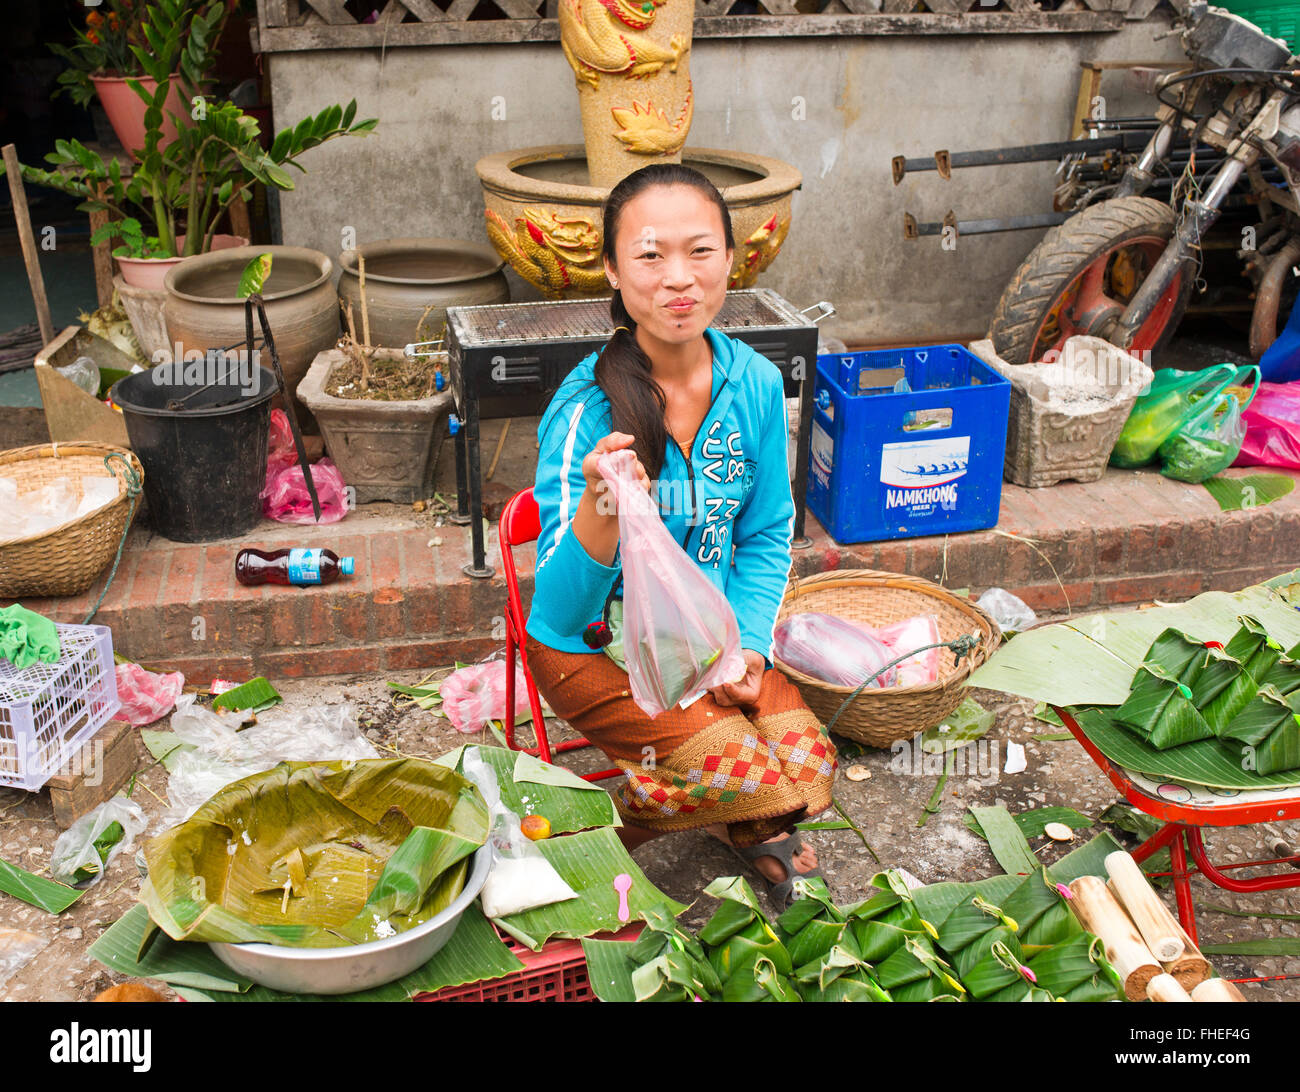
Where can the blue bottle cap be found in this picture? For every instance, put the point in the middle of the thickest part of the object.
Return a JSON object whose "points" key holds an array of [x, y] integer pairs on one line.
{"points": [[438, 381], [453, 424], [346, 565]]}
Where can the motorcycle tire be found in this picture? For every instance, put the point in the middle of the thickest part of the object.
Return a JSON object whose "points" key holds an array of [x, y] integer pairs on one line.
{"points": [[1059, 262]]}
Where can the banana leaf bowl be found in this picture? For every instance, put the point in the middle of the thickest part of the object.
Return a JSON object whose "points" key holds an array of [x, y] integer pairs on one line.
{"points": [[357, 966]]}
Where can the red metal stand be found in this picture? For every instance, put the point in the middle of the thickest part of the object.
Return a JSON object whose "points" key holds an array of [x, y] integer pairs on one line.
{"points": [[1182, 832]]}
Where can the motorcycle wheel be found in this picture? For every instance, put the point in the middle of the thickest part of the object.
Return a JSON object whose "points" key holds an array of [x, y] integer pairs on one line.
{"points": [[1079, 279]]}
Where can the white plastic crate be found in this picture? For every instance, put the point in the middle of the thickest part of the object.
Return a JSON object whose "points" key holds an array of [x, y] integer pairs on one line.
{"points": [[47, 711]]}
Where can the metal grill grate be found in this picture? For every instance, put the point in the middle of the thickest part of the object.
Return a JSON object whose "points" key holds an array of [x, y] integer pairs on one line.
{"points": [[507, 323]]}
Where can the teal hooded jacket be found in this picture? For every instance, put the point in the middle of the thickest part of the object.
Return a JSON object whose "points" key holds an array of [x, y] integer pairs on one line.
{"points": [[729, 505]]}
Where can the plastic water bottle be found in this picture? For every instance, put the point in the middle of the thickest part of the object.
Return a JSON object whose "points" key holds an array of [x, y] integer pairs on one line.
{"points": [[296, 566], [84, 372]]}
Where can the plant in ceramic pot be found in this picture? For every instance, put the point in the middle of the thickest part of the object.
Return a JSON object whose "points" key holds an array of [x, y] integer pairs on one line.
{"points": [[379, 412], [181, 35]]}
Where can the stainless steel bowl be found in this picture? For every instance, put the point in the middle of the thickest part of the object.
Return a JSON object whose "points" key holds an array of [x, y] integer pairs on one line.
{"points": [[358, 966]]}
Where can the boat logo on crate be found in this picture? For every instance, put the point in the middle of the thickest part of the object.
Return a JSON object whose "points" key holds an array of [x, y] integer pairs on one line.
{"points": [[921, 476]]}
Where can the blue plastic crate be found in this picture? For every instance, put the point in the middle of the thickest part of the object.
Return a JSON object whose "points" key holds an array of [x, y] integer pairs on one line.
{"points": [[888, 465]]}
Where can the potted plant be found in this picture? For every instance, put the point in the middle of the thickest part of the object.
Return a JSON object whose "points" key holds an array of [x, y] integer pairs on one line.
{"points": [[379, 412], [179, 35]]}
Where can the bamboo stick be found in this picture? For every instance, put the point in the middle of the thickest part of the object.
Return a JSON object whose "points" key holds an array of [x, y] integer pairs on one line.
{"points": [[1101, 915], [1165, 987], [1191, 967], [1217, 989], [28, 242], [365, 311], [1130, 886]]}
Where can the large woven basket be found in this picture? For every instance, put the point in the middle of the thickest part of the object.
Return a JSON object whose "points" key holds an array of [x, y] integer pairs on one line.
{"points": [[879, 717], [64, 560]]}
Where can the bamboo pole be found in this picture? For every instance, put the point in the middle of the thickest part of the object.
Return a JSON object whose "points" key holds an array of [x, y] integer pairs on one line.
{"points": [[1130, 886], [28, 242], [1101, 915], [1191, 967], [1217, 989], [1165, 987]]}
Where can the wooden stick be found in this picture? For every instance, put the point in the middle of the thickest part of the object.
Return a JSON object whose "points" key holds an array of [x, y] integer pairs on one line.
{"points": [[1217, 989], [365, 311], [1165, 987], [14, 170], [1101, 915], [501, 443], [1154, 921], [102, 257]]}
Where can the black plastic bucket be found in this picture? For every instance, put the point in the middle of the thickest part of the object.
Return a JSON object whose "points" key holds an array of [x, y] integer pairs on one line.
{"points": [[199, 429]]}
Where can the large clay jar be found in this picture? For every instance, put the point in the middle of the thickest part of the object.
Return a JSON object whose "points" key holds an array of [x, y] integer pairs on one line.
{"points": [[410, 283], [203, 310]]}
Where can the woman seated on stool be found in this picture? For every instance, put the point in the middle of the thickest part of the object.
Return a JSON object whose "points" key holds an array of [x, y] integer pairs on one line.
{"points": [[705, 416]]}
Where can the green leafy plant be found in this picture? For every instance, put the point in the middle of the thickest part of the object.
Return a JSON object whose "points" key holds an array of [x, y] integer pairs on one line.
{"points": [[181, 34]]}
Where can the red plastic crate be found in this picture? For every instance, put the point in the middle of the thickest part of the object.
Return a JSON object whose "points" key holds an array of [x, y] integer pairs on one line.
{"points": [[557, 973]]}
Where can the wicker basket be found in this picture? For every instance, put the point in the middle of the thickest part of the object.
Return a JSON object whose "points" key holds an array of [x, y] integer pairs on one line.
{"points": [[64, 560], [879, 717]]}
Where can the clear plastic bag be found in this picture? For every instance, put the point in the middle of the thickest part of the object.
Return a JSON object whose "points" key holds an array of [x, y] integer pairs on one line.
{"points": [[833, 649], [906, 636], [84, 851], [146, 696], [521, 878], [285, 497], [680, 635], [474, 695], [1010, 612]]}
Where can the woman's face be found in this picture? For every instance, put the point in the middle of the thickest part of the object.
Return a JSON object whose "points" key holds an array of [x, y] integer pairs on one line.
{"points": [[671, 262]]}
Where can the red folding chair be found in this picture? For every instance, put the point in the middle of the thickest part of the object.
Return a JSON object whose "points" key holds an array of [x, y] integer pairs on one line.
{"points": [[520, 523]]}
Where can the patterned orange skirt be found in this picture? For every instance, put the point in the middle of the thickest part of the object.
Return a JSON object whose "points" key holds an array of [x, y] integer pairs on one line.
{"points": [[758, 768]]}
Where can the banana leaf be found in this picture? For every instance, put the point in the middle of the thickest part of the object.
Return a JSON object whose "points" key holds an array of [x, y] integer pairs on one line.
{"points": [[1104, 650], [739, 908], [1008, 844], [1056, 924], [1159, 709], [990, 962], [1033, 823], [775, 985], [1253, 647], [1223, 689], [291, 856], [877, 940], [849, 987], [1031, 900], [969, 921], [735, 957], [1176, 652], [1284, 676], [588, 862], [674, 976], [1066, 965], [1202, 763], [1265, 736], [914, 961], [815, 940], [48, 895], [1100, 988]]}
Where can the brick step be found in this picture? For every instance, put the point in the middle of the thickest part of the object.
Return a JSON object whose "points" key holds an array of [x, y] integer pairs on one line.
{"points": [[1130, 538]]}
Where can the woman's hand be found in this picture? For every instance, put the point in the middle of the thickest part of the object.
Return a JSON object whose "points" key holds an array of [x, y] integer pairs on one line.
{"points": [[744, 692], [597, 487]]}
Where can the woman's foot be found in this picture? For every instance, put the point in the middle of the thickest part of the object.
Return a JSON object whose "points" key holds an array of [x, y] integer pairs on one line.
{"points": [[773, 868]]}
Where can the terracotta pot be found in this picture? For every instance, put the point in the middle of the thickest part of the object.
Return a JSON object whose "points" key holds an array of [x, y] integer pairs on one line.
{"points": [[125, 110], [384, 450], [405, 278], [151, 272], [203, 311]]}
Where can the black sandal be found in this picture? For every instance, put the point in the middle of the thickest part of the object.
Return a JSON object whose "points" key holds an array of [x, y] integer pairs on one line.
{"points": [[782, 894]]}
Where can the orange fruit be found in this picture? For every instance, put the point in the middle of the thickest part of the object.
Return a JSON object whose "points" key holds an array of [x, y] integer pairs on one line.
{"points": [[535, 827]]}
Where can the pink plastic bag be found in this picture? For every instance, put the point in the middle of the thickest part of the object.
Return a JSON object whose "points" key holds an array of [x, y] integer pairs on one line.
{"points": [[145, 695], [833, 649], [285, 497], [280, 451], [911, 633], [1272, 427], [680, 635], [476, 694]]}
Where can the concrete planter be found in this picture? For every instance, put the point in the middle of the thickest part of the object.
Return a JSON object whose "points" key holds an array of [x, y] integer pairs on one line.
{"points": [[386, 451], [1065, 416]]}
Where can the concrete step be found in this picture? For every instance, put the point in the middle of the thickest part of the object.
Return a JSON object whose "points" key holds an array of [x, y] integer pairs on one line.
{"points": [[1130, 538]]}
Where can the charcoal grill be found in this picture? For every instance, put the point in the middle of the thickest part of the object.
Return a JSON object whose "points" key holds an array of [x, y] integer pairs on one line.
{"points": [[507, 359]]}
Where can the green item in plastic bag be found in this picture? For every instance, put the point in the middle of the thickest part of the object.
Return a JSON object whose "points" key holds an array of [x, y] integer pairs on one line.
{"points": [[1174, 397], [27, 637], [1211, 439]]}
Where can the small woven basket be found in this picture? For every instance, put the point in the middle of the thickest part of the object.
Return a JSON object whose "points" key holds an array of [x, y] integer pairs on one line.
{"points": [[878, 717], [64, 560]]}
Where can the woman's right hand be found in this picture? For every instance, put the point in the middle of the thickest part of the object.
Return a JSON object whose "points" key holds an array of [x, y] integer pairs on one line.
{"points": [[596, 484]]}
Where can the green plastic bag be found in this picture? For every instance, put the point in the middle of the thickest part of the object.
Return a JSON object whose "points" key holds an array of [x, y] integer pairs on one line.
{"points": [[1211, 439], [1172, 400]]}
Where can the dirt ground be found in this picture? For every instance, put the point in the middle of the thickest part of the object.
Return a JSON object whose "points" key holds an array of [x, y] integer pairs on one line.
{"points": [[886, 807]]}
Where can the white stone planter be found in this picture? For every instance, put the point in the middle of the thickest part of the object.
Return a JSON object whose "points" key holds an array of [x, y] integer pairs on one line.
{"points": [[385, 450]]}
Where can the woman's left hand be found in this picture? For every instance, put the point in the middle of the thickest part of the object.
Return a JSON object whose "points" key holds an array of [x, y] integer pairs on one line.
{"points": [[745, 691]]}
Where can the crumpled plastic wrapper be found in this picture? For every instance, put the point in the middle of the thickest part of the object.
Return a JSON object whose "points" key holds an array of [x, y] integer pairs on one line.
{"points": [[146, 696]]}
